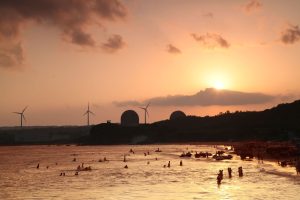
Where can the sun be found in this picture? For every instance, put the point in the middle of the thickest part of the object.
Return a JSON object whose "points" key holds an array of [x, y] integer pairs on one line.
{"points": [[219, 85]]}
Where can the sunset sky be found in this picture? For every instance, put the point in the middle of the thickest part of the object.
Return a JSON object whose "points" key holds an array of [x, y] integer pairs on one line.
{"points": [[58, 55]]}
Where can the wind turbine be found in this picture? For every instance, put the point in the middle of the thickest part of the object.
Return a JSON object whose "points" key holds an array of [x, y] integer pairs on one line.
{"points": [[146, 112], [88, 112], [22, 116]]}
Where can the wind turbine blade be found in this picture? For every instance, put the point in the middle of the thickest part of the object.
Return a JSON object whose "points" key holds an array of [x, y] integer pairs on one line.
{"points": [[85, 113], [24, 109], [17, 113], [147, 113], [92, 113], [142, 108], [23, 116], [148, 105]]}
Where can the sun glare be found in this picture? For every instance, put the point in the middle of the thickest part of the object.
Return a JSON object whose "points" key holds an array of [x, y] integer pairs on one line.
{"points": [[219, 85]]}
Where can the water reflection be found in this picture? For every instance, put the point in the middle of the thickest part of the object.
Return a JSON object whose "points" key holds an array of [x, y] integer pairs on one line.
{"points": [[196, 179]]}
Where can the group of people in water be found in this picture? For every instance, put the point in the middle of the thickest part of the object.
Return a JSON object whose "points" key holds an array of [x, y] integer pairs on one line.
{"points": [[168, 165], [220, 174]]}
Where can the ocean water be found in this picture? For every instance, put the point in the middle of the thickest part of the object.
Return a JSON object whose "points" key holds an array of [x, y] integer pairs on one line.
{"points": [[196, 179]]}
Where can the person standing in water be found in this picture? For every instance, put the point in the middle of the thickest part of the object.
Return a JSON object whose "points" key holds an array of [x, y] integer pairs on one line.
{"points": [[229, 172], [180, 163], [219, 179], [240, 172], [221, 174], [169, 164]]}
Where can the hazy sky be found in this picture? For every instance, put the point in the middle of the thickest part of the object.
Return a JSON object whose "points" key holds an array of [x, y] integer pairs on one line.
{"points": [[56, 56]]}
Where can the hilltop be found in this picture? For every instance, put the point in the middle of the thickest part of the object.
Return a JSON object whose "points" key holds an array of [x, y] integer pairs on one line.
{"points": [[278, 123]]}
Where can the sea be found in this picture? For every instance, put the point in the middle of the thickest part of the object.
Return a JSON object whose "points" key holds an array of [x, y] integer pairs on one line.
{"points": [[145, 178]]}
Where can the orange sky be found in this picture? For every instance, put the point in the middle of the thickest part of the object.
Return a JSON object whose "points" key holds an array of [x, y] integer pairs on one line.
{"points": [[248, 46]]}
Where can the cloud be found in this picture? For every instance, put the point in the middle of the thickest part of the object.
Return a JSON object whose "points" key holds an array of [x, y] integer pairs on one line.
{"points": [[208, 15], [252, 5], [114, 43], [290, 35], [211, 40], [71, 17], [11, 55], [172, 49], [207, 97]]}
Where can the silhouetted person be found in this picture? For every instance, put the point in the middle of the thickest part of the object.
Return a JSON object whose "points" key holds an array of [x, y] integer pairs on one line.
{"points": [[47, 167], [126, 167], [124, 159], [148, 163], [298, 167], [283, 163], [165, 166], [148, 153], [64, 174], [229, 172], [145, 154], [221, 174], [100, 160], [82, 164], [61, 174], [180, 163], [155, 158], [219, 179], [104, 159], [76, 173], [38, 166], [169, 164], [74, 159], [240, 172]]}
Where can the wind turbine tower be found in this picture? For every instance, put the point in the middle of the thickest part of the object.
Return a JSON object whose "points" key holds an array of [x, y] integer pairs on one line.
{"points": [[146, 112], [22, 116], [88, 112]]}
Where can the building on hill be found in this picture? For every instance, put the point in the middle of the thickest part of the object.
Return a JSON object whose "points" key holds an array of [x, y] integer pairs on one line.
{"points": [[177, 114], [129, 118]]}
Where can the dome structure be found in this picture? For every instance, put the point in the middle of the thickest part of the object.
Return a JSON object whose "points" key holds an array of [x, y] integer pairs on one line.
{"points": [[177, 114], [129, 118]]}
